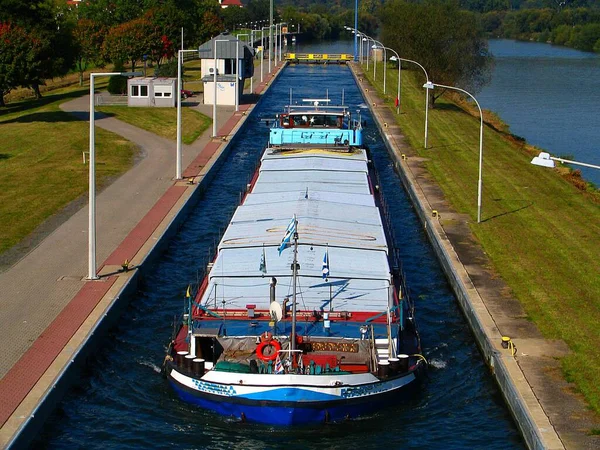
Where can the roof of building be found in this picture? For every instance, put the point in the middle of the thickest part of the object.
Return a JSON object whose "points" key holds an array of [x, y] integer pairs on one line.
{"points": [[231, 3], [226, 48]]}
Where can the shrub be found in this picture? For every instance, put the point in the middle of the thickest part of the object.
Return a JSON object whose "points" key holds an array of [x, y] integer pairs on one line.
{"points": [[117, 85]]}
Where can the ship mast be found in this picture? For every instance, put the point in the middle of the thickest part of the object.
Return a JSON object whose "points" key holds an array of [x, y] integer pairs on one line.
{"points": [[294, 275]]}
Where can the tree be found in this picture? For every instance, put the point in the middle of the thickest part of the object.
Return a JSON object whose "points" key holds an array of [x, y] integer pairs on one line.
{"points": [[14, 47], [88, 37], [448, 42], [131, 41], [51, 50], [233, 16]]}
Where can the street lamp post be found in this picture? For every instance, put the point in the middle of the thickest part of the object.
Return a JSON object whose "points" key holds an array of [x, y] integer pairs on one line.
{"points": [[544, 159], [178, 168], [92, 268], [430, 85], [384, 61], [270, 32], [237, 62], [281, 40], [398, 97], [262, 52]]}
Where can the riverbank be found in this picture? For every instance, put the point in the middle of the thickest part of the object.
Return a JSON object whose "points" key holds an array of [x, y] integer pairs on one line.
{"points": [[546, 258]]}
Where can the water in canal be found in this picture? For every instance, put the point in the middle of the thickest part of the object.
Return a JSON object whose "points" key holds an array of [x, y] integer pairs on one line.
{"points": [[122, 401]]}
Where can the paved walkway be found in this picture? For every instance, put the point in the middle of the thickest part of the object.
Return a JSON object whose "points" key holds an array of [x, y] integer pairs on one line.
{"points": [[45, 298], [537, 366]]}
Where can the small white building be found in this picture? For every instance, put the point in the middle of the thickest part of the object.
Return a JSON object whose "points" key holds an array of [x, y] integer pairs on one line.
{"points": [[227, 48], [152, 91]]}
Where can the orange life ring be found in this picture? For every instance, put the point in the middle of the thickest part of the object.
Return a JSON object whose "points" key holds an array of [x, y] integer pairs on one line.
{"points": [[261, 348]]}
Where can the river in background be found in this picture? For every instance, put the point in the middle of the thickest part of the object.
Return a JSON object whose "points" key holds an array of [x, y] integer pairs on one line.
{"points": [[547, 94], [550, 96]]}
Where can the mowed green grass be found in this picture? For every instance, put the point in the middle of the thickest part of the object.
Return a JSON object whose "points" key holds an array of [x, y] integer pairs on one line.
{"points": [[41, 166], [541, 233], [162, 121]]}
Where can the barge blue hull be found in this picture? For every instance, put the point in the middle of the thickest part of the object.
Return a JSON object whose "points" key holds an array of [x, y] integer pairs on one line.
{"points": [[284, 414]]}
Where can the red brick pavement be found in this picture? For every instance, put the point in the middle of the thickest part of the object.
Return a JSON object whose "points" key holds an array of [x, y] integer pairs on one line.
{"points": [[143, 230], [21, 378], [201, 160]]}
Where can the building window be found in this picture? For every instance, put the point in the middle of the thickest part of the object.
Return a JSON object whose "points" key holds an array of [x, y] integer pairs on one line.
{"points": [[139, 90], [163, 91]]}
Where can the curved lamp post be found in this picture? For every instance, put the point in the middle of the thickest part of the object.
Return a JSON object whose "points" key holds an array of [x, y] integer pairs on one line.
{"points": [[430, 85], [398, 98], [544, 159], [92, 268], [426, 92], [238, 63], [374, 47], [178, 168], [262, 52]]}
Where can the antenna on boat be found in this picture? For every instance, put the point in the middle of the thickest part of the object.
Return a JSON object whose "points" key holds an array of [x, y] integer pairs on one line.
{"points": [[290, 104], [294, 276]]}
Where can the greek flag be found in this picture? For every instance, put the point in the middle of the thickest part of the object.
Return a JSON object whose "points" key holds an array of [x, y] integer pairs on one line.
{"points": [[326, 263], [263, 262], [289, 232]]}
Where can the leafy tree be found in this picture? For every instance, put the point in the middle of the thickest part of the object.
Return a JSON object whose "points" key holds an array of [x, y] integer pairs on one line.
{"points": [[51, 50], [209, 22], [88, 37], [448, 42], [14, 49], [110, 13], [131, 41], [260, 10], [234, 15]]}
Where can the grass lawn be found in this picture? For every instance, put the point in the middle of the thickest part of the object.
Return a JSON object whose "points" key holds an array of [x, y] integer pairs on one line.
{"points": [[541, 233], [162, 121], [41, 167]]}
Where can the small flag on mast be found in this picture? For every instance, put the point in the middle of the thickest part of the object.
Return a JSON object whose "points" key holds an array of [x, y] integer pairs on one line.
{"points": [[263, 262], [278, 365], [188, 294], [289, 232], [326, 263]]}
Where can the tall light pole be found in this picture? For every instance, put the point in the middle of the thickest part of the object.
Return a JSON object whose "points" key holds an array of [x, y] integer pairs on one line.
{"points": [[281, 40], [178, 165], [92, 268], [398, 98], [214, 109], [270, 32], [384, 61], [355, 27], [262, 52], [430, 85]]}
